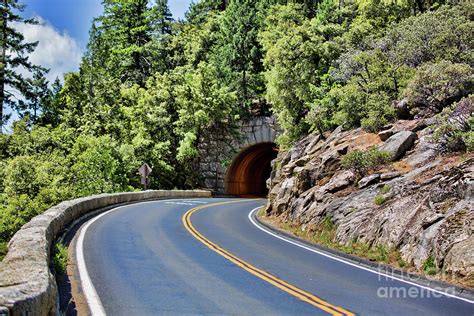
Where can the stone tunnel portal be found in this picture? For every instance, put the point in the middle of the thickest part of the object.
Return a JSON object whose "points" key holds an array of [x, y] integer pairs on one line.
{"points": [[250, 169]]}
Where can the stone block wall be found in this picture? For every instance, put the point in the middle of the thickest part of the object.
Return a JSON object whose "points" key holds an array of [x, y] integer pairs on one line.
{"points": [[27, 286], [218, 152]]}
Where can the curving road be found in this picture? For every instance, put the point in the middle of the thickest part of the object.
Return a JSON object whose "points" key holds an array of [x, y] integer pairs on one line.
{"points": [[205, 256]]}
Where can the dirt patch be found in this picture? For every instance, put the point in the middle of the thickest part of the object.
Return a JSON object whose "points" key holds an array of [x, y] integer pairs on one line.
{"points": [[364, 141], [402, 167]]}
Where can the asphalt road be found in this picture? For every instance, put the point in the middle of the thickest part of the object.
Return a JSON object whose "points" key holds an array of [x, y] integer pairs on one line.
{"points": [[157, 258]]}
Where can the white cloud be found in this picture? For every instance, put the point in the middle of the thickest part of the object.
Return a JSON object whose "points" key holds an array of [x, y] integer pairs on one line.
{"points": [[56, 50]]}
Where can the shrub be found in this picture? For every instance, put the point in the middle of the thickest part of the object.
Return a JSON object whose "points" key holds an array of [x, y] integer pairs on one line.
{"points": [[379, 199], [385, 189], [362, 161], [454, 130], [60, 258], [436, 85], [3, 249], [429, 266]]}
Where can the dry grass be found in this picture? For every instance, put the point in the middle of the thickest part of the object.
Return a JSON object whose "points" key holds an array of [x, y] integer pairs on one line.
{"points": [[402, 166], [324, 234], [364, 141]]}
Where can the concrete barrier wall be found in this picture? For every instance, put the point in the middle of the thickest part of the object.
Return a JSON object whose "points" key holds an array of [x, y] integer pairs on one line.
{"points": [[27, 286]]}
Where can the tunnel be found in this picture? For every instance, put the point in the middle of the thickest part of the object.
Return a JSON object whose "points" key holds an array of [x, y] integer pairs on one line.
{"points": [[249, 171]]}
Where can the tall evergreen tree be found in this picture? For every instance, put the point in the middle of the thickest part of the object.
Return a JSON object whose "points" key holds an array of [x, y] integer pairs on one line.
{"points": [[161, 18], [36, 94], [199, 10], [51, 106], [14, 53], [241, 51], [127, 30]]}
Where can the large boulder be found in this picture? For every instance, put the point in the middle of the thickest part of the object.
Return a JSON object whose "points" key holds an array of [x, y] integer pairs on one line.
{"points": [[339, 181], [460, 258], [368, 180], [398, 144]]}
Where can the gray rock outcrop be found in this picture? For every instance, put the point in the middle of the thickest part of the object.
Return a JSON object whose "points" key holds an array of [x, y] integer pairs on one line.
{"points": [[428, 208], [398, 144]]}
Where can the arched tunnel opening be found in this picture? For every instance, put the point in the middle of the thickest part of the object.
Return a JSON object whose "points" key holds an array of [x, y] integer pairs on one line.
{"points": [[250, 169]]}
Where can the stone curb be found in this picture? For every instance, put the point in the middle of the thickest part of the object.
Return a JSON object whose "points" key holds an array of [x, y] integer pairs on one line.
{"points": [[27, 286], [376, 266]]}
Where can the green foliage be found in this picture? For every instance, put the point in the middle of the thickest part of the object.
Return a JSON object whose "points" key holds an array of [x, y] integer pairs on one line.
{"points": [[60, 258], [379, 199], [203, 105], [96, 166], [362, 161], [3, 249], [239, 56], [429, 266], [401, 263], [150, 89], [15, 65], [454, 129], [439, 84], [382, 253], [385, 189], [298, 53]]}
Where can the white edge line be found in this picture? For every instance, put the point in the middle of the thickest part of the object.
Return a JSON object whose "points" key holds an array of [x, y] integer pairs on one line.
{"points": [[348, 262], [90, 293]]}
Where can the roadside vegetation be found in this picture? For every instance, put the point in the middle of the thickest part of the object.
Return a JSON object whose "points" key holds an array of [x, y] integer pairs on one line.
{"points": [[324, 234], [60, 258], [363, 161], [152, 89]]}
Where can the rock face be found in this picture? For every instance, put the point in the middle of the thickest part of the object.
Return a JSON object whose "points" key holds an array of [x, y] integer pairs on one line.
{"points": [[399, 143], [428, 210], [368, 180]]}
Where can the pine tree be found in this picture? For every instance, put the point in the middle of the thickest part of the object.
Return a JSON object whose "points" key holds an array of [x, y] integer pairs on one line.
{"points": [[126, 28], [199, 10], [241, 51], [36, 94], [51, 105], [14, 53], [161, 18]]}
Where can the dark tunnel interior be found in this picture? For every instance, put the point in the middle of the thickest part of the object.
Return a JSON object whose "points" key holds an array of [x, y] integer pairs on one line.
{"points": [[250, 170]]}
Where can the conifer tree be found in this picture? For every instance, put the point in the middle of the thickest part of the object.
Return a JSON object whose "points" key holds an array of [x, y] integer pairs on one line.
{"points": [[127, 30], [161, 18], [14, 54], [36, 94], [241, 51]]}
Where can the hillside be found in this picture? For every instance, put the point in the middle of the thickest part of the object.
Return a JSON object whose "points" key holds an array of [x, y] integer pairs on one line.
{"points": [[415, 213], [152, 89]]}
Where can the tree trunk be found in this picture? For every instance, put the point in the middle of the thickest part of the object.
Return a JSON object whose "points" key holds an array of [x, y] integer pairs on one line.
{"points": [[3, 48]]}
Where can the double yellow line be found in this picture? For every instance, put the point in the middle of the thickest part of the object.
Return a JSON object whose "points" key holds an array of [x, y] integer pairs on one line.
{"points": [[282, 285]]}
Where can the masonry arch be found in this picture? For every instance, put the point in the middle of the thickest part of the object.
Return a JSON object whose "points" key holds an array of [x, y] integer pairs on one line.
{"points": [[250, 169]]}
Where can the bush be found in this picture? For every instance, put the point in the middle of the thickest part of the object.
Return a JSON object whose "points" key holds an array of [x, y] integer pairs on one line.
{"points": [[96, 166], [385, 189], [379, 199], [3, 249], [362, 161], [429, 266], [60, 258], [436, 85], [454, 130]]}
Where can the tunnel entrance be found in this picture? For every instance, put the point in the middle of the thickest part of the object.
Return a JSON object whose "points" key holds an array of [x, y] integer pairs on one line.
{"points": [[250, 169]]}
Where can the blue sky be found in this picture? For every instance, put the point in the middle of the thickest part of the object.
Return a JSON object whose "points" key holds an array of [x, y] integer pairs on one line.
{"points": [[64, 30], [74, 16]]}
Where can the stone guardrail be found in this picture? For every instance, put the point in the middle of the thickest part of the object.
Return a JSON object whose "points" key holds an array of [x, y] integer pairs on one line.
{"points": [[27, 286]]}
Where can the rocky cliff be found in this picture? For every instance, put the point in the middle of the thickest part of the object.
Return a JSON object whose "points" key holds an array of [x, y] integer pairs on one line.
{"points": [[421, 204]]}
